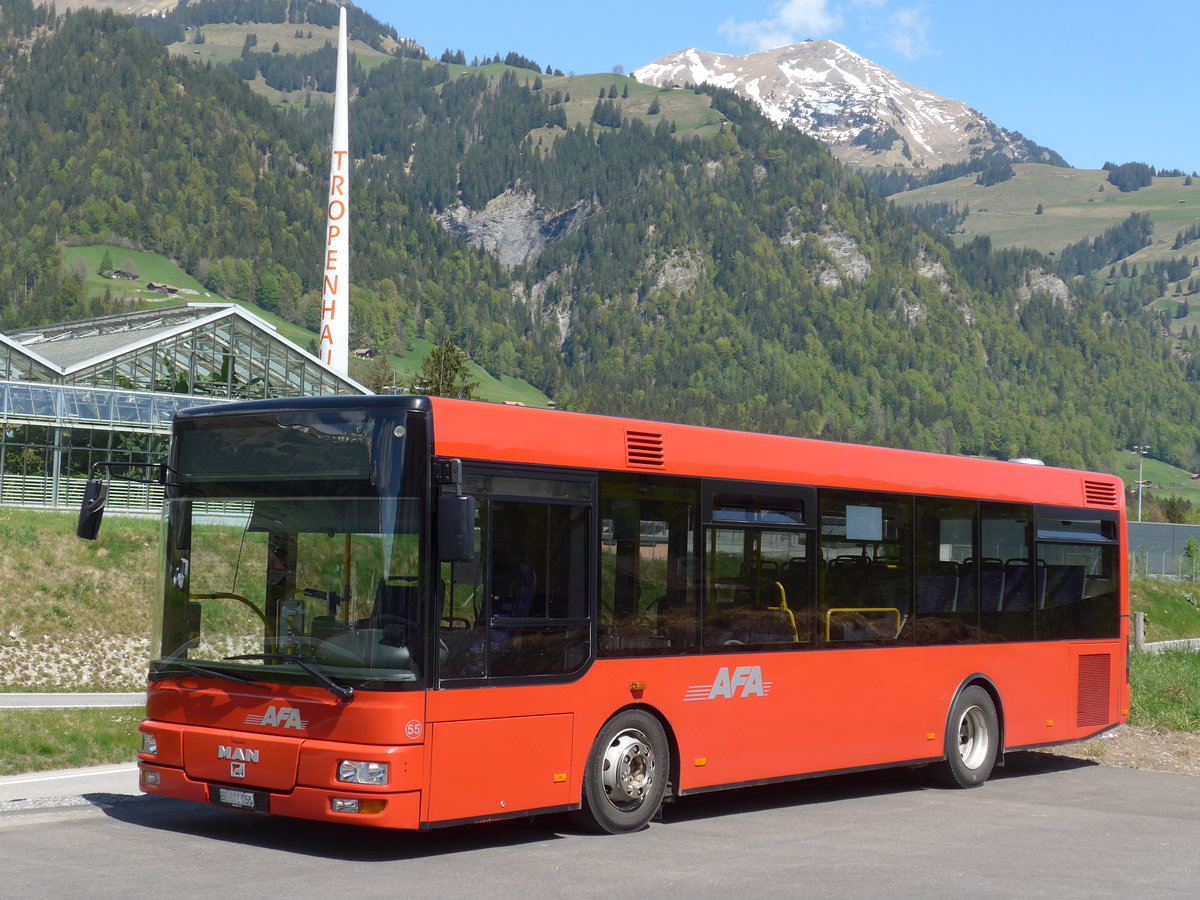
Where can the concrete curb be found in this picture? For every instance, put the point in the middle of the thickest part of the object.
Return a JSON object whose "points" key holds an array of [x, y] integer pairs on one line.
{"points": [[71, 701]]}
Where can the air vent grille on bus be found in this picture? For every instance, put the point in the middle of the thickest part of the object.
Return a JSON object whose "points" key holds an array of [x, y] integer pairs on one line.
{"points": [[644, 450], [1092, 709], [1100, 493]]}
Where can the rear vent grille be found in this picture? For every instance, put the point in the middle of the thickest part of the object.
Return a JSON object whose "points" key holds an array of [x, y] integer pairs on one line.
{"points": [[1094, 680], [644, 450], [1100, 493]]}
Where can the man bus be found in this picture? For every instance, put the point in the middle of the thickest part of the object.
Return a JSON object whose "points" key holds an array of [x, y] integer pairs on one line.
{"points": [[412, 612]]}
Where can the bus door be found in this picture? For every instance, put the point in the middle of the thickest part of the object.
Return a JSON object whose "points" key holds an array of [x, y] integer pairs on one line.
{"points": [[517, 614]]}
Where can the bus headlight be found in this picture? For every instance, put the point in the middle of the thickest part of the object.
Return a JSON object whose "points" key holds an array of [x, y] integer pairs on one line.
{"points": [[356, 772]]}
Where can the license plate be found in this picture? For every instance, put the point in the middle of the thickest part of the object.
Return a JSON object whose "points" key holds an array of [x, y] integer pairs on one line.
{"points": [[232, 798], [241, 799]]}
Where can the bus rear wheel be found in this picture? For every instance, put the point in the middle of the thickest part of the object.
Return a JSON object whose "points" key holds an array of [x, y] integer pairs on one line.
{"points": [[626, 775], [972, 739]]}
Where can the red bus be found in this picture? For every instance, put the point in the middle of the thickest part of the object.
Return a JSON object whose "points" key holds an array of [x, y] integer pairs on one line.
{"points": [[412, 612]]}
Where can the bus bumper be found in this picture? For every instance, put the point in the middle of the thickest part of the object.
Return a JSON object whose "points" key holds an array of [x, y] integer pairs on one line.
{"points": [[400, 810]]}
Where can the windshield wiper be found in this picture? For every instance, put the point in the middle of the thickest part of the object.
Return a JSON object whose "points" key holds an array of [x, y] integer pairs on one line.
{"points": [[187, 668], [339, 690]]}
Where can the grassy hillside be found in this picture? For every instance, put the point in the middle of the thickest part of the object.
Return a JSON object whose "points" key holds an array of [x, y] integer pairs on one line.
{"points": [[147, 266], [1165, 479], [74, 615], [1077, 204], [159, 269], [223, 43]]}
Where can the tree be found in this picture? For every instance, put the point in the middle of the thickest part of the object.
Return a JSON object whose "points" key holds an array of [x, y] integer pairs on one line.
{"points": [[1039, 210], [654, 108], [380, 377], [106, 263], [444, 373], [1191, 552]]}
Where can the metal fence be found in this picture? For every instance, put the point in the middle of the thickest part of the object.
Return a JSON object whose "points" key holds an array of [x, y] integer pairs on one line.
{"points": [[1158, 548], [67, 493]]}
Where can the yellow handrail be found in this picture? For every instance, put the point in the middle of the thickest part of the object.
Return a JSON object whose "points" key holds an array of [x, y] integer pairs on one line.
{"points": [[783, 608]]}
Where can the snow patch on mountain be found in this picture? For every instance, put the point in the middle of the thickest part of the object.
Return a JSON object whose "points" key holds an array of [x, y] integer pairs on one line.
{"points": [[862, 111]]}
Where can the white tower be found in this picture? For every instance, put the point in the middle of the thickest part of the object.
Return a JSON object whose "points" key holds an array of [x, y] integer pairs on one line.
{"points": [[335, 291]]}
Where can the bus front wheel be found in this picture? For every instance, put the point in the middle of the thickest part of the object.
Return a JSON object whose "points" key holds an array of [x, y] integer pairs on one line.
{"points": [[626, 775], [972, 739]]}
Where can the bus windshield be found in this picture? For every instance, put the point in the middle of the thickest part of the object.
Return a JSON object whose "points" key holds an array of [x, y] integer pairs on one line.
{"points": [[304, 562]]}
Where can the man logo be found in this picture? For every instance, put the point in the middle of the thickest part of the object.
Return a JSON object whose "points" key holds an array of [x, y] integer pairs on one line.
{"points": [[726, 685], [284, 717]]}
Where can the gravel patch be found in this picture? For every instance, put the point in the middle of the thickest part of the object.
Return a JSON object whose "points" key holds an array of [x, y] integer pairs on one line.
{"points": [[1128, 747]]}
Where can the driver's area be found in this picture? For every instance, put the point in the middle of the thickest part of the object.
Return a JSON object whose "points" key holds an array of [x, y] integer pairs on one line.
{"points": [[284, 583]]}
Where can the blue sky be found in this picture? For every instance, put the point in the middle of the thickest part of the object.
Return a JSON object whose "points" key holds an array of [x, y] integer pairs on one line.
{"points": [[1101, 80]]}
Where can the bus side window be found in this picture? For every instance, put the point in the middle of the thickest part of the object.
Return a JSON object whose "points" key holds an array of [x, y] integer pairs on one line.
{"points": [[946, 572], [866, 568], [1078, 552], [756, 588], [648, 594], [1010, 579], [521, 607]]}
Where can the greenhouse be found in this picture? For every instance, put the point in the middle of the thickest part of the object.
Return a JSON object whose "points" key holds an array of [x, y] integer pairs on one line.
{"points": [[107, 388]]}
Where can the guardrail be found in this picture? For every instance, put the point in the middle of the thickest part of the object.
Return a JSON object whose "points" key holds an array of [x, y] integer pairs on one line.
{"points": [[1140, 644]]}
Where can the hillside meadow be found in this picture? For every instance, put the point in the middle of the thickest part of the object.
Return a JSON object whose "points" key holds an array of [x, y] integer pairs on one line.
{"points": [[1076, 204], [152, 267]]}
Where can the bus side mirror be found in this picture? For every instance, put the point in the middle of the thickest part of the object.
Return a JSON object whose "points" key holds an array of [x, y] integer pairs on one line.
{"points": [[456, 528], [91, 511]]}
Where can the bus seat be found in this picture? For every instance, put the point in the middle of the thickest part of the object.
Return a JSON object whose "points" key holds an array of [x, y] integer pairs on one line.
{"points": [[1023, 586], [1064, 584], [937, 593], [990, 572]]}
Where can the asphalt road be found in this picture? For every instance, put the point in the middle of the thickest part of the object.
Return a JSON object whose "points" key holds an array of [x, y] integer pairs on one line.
{"points": [[1045, 826]]}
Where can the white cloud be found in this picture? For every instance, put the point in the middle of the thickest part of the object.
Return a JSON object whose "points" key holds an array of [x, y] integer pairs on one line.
{"points": [[905, 30], [790, 21], [910, 32]]}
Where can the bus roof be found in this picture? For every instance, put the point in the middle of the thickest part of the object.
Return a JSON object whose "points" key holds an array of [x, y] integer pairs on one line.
{"points": [[489, 431]]}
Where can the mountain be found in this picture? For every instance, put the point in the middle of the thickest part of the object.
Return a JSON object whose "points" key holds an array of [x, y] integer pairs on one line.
{"points": [[861, 111], [728, 272]]}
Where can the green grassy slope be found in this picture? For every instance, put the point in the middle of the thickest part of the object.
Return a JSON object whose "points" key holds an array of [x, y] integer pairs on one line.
{"points": [[1164, 480], [224, 42], [1074, 207], [159, 269]]}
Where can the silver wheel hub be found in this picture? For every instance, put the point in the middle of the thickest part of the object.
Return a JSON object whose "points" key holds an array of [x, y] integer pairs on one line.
{"points": [[628, 768], [973, 737]]}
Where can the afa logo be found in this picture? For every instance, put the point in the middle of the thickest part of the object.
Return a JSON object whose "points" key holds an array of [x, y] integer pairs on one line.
{"points": [[283, 717], [742, 682]]}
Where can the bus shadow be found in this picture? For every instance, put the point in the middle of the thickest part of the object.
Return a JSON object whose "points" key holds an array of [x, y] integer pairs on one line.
{"points": [[327, 840], [854, 785], [357, 844]]}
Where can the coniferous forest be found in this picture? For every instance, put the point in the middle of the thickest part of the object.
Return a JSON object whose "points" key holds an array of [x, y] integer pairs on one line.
{"points": [[704, 279]]}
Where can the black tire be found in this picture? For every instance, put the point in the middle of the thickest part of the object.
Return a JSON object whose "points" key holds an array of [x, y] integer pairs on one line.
{"points": [[972, 739], [626, 774]]}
